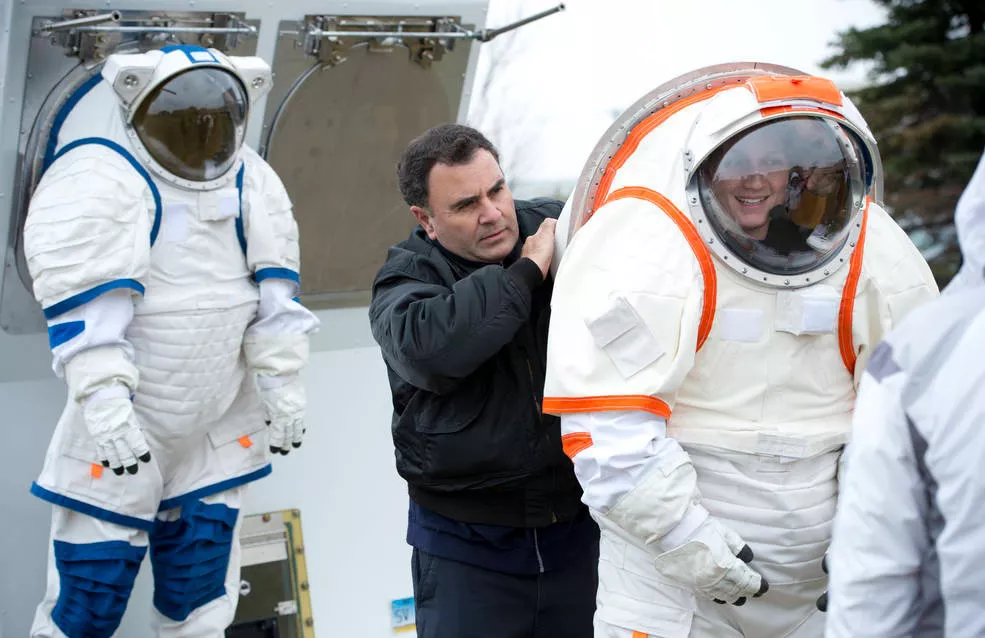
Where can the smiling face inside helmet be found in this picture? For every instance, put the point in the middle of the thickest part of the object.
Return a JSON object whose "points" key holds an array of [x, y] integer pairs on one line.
{"points": [[193, 123], [782, 195]]}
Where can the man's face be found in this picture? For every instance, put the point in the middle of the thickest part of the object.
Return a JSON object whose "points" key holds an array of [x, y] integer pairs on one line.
{"points": [[471, 209], [749, 183]]}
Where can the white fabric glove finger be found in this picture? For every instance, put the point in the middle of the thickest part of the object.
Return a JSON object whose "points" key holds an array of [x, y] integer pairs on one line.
{"points": [[298, 432], [276, 435], [125, 453], [107, 452], [740, 581], [135, 439], [730, 536]]}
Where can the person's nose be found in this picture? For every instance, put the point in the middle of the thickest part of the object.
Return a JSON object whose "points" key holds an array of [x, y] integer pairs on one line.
{"points": [[754, 179], [489, 214]]}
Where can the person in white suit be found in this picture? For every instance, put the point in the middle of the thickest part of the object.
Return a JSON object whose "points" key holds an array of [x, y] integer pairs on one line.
{"points": [[907, 538], [164, 254], [712, 313]]}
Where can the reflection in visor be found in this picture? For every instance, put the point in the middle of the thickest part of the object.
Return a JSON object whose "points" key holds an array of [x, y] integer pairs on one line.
{"points": [[780, 194], [192, 125]]}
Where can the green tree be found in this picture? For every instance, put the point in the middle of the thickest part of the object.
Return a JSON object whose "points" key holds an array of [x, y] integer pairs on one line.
{"points": [[926, 108]]}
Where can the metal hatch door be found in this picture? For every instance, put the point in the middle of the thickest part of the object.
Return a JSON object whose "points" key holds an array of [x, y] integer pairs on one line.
{"points": [[337, 134]]}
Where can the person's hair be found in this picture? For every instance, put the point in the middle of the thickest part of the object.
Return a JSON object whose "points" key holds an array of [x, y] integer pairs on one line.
{"points": [[450, 144]]}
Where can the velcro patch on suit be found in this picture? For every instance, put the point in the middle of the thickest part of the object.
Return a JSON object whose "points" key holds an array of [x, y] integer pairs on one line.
{"points": [[218, 205], [807, 311], [740, 324], [175, 222], [624, 337]]}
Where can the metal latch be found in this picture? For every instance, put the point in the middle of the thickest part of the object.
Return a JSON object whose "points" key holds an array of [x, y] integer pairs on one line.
{"points": [[328, 37], [91, 35]]}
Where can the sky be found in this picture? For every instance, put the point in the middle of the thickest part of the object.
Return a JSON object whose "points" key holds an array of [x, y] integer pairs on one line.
{"points": [[562, 80]]}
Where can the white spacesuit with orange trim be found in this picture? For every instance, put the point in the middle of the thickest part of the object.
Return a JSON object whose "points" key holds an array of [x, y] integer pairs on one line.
{"points": [[705, 344]]}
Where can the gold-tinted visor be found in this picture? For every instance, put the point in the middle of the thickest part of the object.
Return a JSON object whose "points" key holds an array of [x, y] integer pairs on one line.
{"points": [[780, 194], [193, 124]]}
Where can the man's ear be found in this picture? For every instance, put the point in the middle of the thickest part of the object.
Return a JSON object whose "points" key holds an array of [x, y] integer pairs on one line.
{"points": [[425, 220]]}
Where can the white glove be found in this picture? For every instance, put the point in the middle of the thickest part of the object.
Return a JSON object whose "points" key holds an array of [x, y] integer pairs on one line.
{"points": [[100, 380], [712, 561], [284, 401], [111, 422]]}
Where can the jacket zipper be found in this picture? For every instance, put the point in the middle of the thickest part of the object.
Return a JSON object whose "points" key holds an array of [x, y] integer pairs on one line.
{"points": [[533, 385]]}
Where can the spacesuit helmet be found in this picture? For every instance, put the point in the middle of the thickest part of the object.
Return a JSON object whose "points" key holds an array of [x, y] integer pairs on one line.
{"points": [[186, 107], [784, 195], [193, 124]]}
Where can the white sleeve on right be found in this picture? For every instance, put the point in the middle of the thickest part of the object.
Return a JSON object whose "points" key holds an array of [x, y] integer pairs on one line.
{"points": [[102, 321], [879, 535], [619, 456], [624, 445]]}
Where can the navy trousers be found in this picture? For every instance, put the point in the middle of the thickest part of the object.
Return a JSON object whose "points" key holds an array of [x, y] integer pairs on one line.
{"points": [[456, 600]]}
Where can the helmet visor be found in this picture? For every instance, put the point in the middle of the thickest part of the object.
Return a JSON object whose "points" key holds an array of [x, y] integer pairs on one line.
{"points": [[780, 195], [193, 124]]}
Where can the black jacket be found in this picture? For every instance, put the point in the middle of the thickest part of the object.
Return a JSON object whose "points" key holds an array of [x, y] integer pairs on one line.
{"points": [[465, 347]]}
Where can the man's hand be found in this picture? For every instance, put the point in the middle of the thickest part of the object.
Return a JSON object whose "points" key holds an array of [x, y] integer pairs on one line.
{"points": [[113, 426], [539, 247]]}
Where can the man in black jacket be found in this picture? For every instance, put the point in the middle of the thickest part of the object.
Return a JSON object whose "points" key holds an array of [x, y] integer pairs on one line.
{"points": [[503, 547]]}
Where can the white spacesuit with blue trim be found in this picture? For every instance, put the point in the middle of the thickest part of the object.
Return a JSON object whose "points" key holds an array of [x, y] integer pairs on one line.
{"points": [[165, 255]]}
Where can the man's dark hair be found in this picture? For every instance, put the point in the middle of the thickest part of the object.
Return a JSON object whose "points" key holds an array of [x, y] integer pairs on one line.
{"points": [[451, 144]]}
